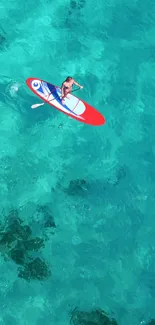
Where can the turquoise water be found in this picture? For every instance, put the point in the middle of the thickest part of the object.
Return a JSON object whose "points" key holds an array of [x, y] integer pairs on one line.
{"points": [[87, 192]]}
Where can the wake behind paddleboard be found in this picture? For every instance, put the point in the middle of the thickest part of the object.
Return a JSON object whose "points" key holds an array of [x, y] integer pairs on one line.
{"points": [[74, 107]]}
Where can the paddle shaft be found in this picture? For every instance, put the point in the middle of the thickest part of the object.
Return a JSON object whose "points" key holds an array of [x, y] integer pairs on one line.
{"points": [[37, 105]]}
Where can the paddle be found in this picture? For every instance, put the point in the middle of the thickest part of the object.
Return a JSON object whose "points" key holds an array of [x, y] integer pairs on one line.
{"points": [[37, 105]]}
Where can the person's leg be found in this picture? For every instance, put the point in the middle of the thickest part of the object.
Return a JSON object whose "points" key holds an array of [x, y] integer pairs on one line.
{"points": [[66, 92]]}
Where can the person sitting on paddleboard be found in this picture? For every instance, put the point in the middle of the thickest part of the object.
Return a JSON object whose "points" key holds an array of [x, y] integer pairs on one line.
{"points": [[66, 87]]}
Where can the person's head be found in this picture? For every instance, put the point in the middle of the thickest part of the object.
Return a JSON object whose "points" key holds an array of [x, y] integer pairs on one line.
{"points": [[68, 79]]}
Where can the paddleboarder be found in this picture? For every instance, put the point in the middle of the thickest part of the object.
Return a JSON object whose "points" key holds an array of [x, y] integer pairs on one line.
{"points": [[66, 87]]}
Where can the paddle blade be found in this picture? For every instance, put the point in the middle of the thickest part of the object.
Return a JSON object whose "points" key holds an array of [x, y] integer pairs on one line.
{"points": [[36, 105]]}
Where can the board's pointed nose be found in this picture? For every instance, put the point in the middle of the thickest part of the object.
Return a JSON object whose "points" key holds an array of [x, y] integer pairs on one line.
{"points": [[100, 120], [92, 116]]}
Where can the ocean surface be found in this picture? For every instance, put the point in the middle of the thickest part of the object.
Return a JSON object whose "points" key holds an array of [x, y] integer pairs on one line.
{"points": [[77, 202]]}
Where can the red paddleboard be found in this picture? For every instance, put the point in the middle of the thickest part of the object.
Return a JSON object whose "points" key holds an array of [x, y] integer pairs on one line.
{"points": [[73, 106]]}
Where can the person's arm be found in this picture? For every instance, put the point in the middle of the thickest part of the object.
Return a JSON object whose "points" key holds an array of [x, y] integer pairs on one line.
{"points": [[62, 90], [76, 83]]}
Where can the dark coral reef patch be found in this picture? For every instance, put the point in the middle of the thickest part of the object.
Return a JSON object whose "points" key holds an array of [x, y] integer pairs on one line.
{"points": [[18, 244]]}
